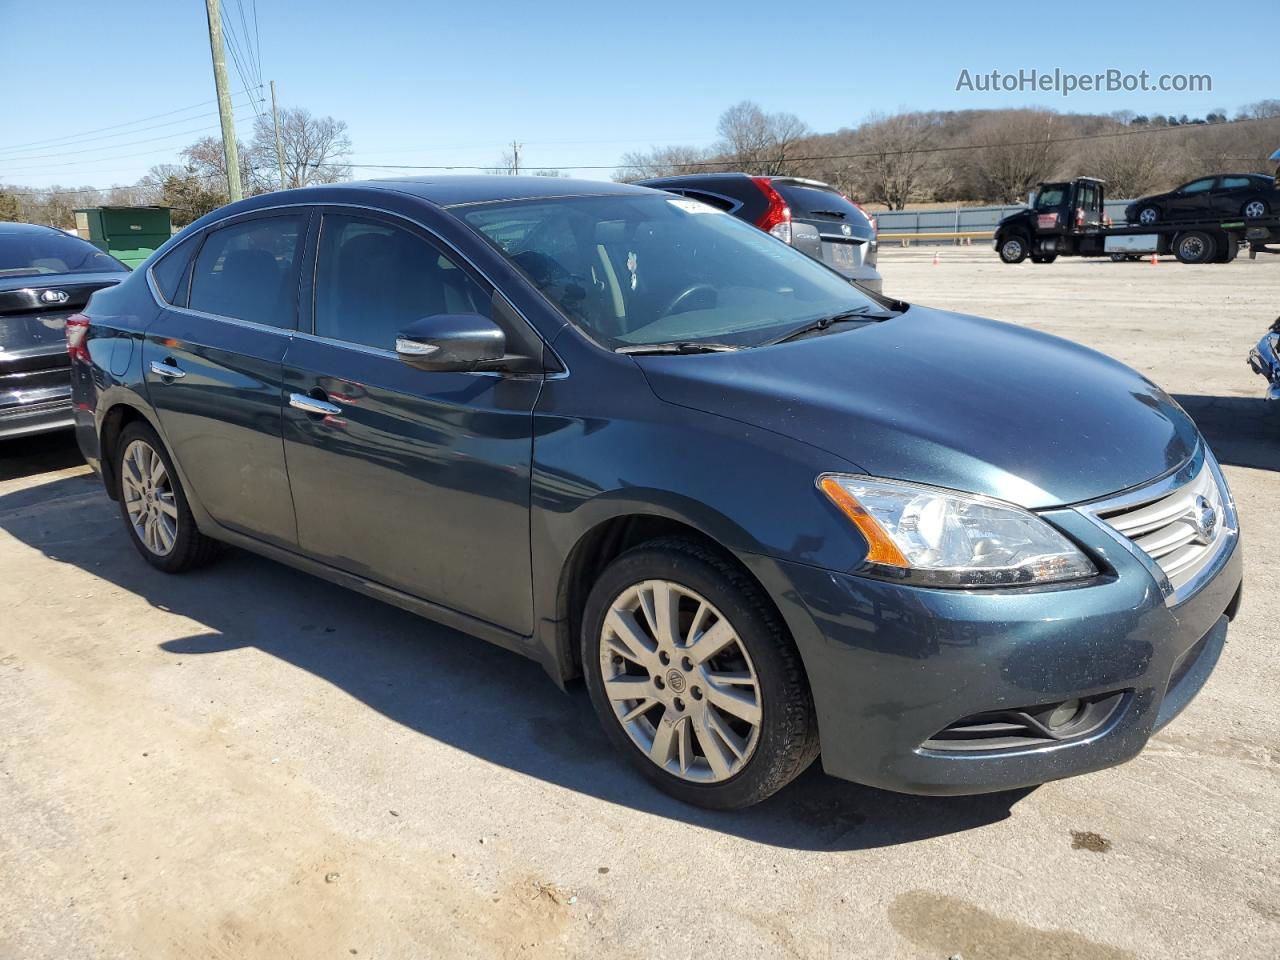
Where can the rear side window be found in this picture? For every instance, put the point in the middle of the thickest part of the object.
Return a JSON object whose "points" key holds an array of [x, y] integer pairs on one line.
{"points": [[244, 271], [171, 273], [1235, 183], [374, 279], [816, 203]]}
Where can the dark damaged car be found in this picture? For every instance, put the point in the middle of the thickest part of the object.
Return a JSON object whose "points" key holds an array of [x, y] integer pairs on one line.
{"points": [[45, 276]]}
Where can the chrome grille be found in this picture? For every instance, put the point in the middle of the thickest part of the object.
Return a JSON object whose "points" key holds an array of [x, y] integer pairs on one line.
{"points": [[1181, 526]]}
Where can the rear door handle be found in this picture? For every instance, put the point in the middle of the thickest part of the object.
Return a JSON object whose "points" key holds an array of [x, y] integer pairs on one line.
{"points": [[300, 401], [167, 369]]}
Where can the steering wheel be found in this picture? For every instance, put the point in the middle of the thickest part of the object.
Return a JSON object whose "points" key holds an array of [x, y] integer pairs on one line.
{"points": [[688, 293]]}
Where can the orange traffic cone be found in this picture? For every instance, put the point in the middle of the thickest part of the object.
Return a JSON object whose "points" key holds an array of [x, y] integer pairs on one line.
{"points": [[1155, 261], [935, 259]]}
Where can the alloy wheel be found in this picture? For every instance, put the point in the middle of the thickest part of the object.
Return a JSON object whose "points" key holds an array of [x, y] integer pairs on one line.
{"points": [[148, 498], [1255, 208], [1149, 215], [680, 681]]}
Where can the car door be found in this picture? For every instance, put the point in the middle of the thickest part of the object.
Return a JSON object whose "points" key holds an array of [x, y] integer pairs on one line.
{"points": [[1192, 201], [1232, 193], [212, 362], [416, 480]]}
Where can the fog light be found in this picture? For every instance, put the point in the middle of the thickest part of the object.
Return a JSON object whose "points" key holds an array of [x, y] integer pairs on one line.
{"points": [[1063, 714]]}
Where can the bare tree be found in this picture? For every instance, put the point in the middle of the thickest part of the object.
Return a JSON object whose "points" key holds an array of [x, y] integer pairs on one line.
{"points": [[757, 142], [550, 173], [508, 164], [316, 149], [1020, 152], [205, 159], [897, 169], [662, 162], [1132, 166]]}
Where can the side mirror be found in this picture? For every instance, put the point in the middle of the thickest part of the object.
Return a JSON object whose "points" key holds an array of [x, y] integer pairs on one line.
{"points": [[451, 341]]}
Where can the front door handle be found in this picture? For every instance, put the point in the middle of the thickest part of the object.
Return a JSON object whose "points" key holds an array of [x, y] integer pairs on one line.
{"points": [[300, 401], [167, 369]]}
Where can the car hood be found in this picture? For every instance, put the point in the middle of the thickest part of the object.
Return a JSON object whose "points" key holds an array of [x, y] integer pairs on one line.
{"points": [[950, 400]]}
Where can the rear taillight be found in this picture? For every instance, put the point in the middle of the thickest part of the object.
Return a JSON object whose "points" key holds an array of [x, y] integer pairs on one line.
{"points": [[77, 331], [776, 219]]}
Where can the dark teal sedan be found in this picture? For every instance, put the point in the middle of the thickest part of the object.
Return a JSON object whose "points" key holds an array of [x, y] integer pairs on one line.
{"points": [[765, 515]]}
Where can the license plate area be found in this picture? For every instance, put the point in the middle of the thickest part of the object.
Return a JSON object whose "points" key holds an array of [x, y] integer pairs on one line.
{"points": [[843, 254]]}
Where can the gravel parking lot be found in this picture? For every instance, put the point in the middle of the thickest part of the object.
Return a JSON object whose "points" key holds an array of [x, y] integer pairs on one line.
{"points": [[248, 762]]}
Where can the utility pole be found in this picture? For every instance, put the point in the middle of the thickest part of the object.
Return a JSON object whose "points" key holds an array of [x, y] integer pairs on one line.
{"points": [[229, 150], [275, 118], [515, 159]]}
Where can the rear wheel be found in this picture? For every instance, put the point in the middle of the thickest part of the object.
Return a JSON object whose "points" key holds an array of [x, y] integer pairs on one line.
{"points": [[1254, 209], [154, 506], [1194, 246], [695, 678], [1013, 249]]}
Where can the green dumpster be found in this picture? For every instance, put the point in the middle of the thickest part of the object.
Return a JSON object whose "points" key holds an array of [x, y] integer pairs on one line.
{"points": [[130, 234]]}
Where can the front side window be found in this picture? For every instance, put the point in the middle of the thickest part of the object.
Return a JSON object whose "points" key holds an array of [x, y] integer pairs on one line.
{"points": [[636, 270], [1050, 198], [1198, 186], [244, 271], [374, 279], [41, 253]]}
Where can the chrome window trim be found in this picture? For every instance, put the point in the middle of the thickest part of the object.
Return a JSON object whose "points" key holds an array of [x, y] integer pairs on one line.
{"points": [[311, 205]]}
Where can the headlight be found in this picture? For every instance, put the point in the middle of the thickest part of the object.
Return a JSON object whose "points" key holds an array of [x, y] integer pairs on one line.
{"points": [[943, 538]]}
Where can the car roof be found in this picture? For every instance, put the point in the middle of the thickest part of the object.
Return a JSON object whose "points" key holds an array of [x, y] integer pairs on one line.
{"points": [[30, 228], [448, 191]]}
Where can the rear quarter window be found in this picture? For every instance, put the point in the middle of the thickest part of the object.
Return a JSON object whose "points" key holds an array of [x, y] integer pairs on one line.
{"points": [[171, 272]]}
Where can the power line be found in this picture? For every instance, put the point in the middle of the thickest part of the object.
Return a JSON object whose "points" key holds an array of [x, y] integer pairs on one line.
{"points": [[112, 146], [50, 141], [118, 156]]}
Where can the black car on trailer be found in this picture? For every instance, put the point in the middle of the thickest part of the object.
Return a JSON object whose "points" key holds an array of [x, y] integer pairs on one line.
{"points": [[1066, 218]]}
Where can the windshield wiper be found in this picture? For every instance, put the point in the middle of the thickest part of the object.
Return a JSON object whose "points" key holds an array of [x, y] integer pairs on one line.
{"points": [[678, 346], [817, 326]]}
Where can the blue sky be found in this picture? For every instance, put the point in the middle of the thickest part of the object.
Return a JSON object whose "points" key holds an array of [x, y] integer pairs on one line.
{"points": [[576, 83]]}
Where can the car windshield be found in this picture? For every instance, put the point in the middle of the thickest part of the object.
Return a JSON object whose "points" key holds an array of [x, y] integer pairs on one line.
{"points": [[39, 253], [639, 270]]}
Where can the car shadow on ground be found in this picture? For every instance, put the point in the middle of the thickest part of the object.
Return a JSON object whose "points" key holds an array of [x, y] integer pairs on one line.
{"points": [[448, 686], [1243, 431], [39, 453]]}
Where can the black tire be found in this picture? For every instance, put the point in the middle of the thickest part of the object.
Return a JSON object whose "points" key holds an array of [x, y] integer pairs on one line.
{"points": [[1119, 257], [1151, 212], [1195, 246], [1047, 258], [191, 548], [788, 733], [1014, 248]]}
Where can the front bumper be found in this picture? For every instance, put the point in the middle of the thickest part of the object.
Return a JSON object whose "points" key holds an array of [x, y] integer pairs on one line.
{"points": [[891, 666], [1264, 362]]}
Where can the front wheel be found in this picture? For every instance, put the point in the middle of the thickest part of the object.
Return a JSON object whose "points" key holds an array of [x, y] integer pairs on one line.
{"points": [[695, 678], [154, 506], [1013, 249]]}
